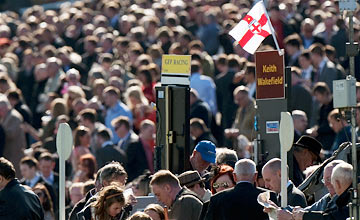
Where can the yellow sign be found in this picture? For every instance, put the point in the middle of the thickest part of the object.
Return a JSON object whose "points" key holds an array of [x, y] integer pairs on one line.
{"points": [[176, 64]]}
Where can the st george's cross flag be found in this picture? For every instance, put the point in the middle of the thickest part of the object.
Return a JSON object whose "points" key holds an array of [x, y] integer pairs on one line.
{"points": [[252, 29]]}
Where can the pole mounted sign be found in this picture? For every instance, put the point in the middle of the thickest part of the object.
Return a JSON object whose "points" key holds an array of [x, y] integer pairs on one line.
{"points": [[64, 143], [175, 70], [270, 78]]}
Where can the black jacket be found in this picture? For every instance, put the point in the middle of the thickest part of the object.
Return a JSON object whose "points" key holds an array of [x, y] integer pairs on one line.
{"points": [[18, 202], [108, 153], [136, 160], [237, 203]]}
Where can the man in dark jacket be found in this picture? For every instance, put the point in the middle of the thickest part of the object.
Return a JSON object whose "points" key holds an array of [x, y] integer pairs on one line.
{"points": [[272, 176], [239, 202], [106, 151], [16, 201]]}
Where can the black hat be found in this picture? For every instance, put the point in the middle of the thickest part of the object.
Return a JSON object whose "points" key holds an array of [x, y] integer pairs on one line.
{"points": [[311, 144]]}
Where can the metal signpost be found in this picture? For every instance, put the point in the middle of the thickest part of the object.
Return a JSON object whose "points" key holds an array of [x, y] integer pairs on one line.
{"points": [[64, 143], [352, 49], [286, 136], [272, 92], [172, 149]]}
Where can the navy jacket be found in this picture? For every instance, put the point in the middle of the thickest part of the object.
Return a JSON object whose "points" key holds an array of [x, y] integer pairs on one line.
{"points": [[18, 202]]}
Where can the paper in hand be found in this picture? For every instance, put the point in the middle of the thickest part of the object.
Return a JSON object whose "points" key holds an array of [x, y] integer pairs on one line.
{"points": [[264, 200]]}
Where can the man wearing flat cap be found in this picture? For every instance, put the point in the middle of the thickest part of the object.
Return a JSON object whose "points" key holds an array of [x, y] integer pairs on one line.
{"points": [[193, 181], [306, 153]]}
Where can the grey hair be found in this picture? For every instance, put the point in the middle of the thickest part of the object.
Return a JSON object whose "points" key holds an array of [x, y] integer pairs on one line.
{"points": [[245, 167], [333, 164], [224, 155], [343, 172]]}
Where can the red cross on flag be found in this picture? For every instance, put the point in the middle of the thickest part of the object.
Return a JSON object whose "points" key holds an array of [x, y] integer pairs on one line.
{"points": [[252, 29]]}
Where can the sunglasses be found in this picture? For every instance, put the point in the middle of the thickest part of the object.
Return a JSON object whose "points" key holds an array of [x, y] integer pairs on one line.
{"points": [[218, 185]]}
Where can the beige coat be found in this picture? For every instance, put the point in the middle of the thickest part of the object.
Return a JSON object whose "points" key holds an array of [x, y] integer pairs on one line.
{"points": [[15, 141]]}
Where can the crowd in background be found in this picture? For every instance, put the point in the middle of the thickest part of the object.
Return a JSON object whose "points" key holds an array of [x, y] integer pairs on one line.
{"points": [[95, 65]]}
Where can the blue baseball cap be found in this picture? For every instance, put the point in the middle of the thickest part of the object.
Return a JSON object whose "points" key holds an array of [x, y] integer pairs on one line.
{"points": [[207, 150]]}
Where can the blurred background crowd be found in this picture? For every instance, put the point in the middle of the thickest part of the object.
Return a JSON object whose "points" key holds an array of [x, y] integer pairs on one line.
{"points": [[95, 65]]}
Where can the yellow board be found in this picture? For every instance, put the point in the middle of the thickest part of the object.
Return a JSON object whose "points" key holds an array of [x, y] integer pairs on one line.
{"points": [[176, 64]]}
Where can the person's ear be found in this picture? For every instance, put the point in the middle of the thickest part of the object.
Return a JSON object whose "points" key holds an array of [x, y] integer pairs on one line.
{"points": [[278, 173], [167, 187], [337, 184], [235, 178], [255, 176]]}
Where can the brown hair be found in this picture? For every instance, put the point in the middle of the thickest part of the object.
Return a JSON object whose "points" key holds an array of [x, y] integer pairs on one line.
{"points": [[79, 132], [90, 162], [121, 120], [47, 202], [164, 177], [156, 208], [108, 196]]}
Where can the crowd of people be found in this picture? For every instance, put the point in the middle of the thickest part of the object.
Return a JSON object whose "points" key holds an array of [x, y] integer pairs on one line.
{"points": [[94, 64]]}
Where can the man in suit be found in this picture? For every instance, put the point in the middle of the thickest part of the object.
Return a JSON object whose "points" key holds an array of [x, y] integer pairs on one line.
{"points": [[239, 202], [326, 70], [293, 50], [106, 151], [16, 201], [140, 153], [301, 98], [46, 168], [224, 90], [87, 117], [272, 176], [322, 131], [123, 129], [244, 120], [199, 108], [31, 177], [199, 132], [300, 123]]}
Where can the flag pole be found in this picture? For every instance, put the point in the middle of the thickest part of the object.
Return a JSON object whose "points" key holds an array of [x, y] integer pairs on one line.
{"points": [[272, 31]]}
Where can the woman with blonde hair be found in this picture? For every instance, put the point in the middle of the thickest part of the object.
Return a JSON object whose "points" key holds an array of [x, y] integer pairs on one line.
{"points": [[139, 106]]}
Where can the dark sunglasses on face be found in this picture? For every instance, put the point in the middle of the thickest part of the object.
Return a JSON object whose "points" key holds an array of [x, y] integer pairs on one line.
{"points": [[218, 185]]}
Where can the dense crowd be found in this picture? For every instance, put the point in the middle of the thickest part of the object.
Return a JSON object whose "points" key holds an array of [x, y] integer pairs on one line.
{"points": [[95, 65]]}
